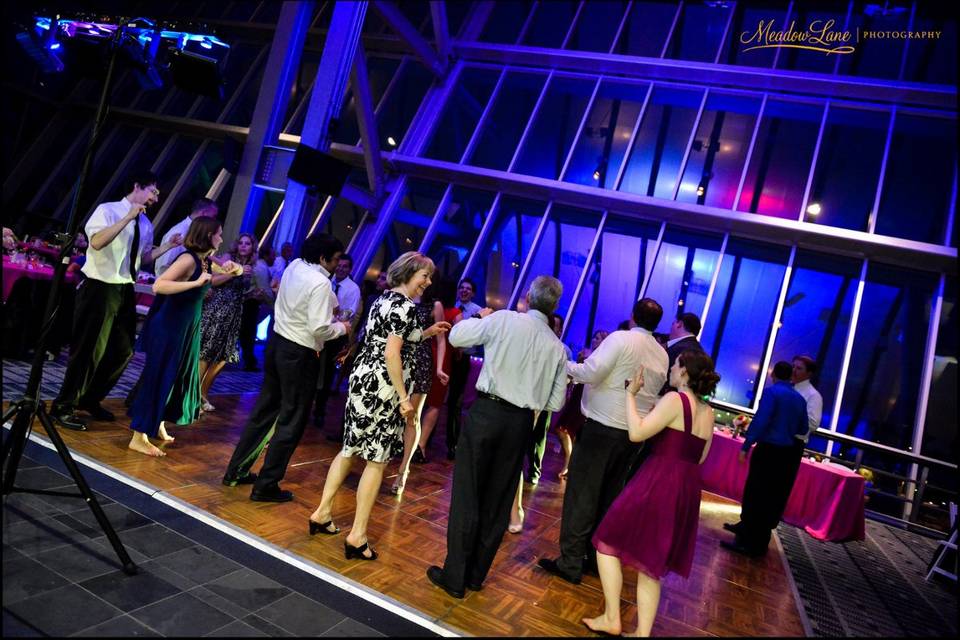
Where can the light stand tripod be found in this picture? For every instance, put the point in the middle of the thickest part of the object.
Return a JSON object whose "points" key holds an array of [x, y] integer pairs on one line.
{"points": [[30, 407]]}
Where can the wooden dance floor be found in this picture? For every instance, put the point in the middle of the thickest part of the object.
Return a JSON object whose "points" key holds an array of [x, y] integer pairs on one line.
{"points": [[726, 595]]}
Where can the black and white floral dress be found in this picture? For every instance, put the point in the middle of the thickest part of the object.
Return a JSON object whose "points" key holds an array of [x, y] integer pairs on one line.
{"points": [[373, 425]]}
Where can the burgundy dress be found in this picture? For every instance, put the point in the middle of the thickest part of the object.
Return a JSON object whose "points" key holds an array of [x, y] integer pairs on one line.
{"points": [[652, 525]]}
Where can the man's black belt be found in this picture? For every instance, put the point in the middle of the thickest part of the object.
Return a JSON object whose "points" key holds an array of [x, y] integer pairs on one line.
{"points": [[490, 396]]}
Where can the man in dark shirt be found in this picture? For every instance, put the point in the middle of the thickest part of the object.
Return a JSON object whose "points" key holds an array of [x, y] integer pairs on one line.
{"points": [[781, 416], [683, 336]]}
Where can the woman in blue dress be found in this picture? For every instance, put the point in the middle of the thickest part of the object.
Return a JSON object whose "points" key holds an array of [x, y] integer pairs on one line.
{"points": [[170, 384]]}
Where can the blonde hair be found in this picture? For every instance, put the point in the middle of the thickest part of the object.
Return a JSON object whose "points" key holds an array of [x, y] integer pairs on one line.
{"points": [[406, 266]]}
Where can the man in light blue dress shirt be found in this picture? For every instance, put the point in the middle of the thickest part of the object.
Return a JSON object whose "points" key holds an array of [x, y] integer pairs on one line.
{"points": [[523, 372]]}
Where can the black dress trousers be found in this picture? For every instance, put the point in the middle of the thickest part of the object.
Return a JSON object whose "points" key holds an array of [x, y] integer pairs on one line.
{"points": [[104, 328], [773, 470], [489, 457], [599, 468], [289, 382]]}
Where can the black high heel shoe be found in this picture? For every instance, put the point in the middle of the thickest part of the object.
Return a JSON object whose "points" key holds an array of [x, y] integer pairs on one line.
{"points": [[324, 527], [352, 552]]}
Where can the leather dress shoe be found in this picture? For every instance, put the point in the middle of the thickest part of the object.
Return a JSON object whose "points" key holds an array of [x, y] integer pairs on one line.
{"points": [[69, 420], [737, 547], [435, 574], [232, 481], [550, 566], [277, 495], [732, 527], [475, 586], [97, 412]]}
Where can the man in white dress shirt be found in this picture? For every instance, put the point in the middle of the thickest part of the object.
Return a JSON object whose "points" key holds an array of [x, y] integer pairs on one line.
{"points": [[304, 322], [523, 372], [202, 207], [105, 315], [349, 301], [603, 454], [804, 368]]}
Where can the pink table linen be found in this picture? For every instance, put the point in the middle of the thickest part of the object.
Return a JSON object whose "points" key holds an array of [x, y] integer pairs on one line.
{"points": [[13, 272], [827, 500]]}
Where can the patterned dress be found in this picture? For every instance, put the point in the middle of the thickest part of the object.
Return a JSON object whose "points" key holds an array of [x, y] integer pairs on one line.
{"points": [[220, 321], [373, 425]]}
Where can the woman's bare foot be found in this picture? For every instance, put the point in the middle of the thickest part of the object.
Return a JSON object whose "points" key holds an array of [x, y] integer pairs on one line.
{"points": [[140, 443], [163, 435], [601, 624]]}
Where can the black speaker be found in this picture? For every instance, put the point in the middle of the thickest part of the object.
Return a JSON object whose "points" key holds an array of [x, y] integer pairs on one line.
{"points": [[318, 170], [196, 73]]}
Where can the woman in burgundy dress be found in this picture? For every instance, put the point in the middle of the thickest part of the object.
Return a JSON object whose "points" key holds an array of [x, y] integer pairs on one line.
{"points": [[652, 525]]}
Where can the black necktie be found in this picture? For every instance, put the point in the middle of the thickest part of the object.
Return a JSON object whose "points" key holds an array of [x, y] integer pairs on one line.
{"points": [[135, 248], [336, 287]]}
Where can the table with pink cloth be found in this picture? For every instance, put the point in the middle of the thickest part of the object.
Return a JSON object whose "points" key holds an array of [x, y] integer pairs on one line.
{"points": [[827, 500], [13, 271]]}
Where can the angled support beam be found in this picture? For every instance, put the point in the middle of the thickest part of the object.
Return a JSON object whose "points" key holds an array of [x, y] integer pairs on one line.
{"points": [[402, 27], [325, 102], [438, 13], [368, 123], [283, 62]]}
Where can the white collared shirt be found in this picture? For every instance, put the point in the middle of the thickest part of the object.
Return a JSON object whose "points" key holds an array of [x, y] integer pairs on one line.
{"points": [[163, 262], [523, 362], [111, 264], [303, 312], [814, 407], [617, 359], [348, 295]]}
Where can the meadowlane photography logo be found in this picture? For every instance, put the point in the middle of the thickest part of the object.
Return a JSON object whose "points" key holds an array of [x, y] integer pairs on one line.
{"points": [[822, 36]]}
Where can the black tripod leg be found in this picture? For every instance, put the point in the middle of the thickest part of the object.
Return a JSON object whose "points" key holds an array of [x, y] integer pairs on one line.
{"points": [[128, 567], [16, 441]]}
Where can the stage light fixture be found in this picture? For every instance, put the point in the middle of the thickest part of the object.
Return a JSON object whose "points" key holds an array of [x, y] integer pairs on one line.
{"points": [[814, 209]]}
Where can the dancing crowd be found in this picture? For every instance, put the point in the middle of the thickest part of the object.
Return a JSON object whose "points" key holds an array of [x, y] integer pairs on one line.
{"points": [[633, 414]]}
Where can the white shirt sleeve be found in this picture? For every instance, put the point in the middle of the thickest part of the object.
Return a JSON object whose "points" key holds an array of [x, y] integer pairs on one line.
{"points": [[558, 393], [320, 315], [474, 331], [598, 366], [99, 220], [814, 412]]}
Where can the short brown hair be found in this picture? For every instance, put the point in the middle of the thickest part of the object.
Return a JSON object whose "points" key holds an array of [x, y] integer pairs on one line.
{"points": [[808, 362], [199, 235], [406, 266]]}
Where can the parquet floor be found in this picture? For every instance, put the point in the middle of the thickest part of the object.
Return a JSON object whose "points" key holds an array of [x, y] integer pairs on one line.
{"points": [[726, 595]]}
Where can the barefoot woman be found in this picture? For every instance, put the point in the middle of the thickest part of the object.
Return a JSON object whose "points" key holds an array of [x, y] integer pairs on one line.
{"points": [[170, 389]]}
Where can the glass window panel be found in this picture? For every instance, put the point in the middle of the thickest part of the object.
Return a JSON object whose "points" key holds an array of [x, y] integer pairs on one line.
{"points": [[919, 179], [344, 222], [623, 256], [505, 21], [563, 249], [456, 14], [646, 29], [606, 134], [402, 103], [876, 57], [462, 112], [505, 249], [816, 319], [882, 386], [699, 31], [780, 163], [661, 141], [933, 59], [416, 11], [818, 17], [379, 73], [410, 222], [507, 120], [458, 230], [940, 426], [719, 150], [746, 23], [681, 276], [740, 316], [550, 24], [546, 147], [597, 25], [848, 168]]}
